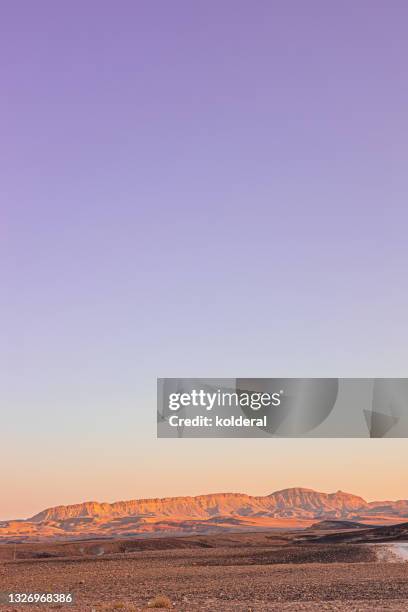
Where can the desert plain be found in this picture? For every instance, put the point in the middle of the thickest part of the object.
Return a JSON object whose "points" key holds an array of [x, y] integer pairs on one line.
{"points": [[293, 550], [331, 566]]}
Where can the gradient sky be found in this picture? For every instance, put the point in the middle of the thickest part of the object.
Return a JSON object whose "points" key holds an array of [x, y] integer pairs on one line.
{"points": [[208, 188]]}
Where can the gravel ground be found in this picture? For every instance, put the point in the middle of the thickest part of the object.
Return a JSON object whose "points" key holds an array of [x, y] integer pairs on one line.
{"points": [[218, 580]]}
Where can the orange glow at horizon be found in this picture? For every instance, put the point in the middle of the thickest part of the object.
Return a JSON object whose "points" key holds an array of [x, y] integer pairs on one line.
{"points": [[166, 468]]}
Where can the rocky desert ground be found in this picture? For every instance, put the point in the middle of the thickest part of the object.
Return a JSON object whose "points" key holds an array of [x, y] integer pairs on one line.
{"points": [[329, 567]]}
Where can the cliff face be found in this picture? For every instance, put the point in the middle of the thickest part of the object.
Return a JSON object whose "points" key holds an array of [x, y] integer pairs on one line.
{"points": [[203, 514], [295, 502], [309, 501], [202, 506]]}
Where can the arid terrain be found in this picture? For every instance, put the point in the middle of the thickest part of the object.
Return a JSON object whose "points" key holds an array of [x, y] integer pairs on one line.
{"points": [[203, 514], [295, 549], [329, 566]]}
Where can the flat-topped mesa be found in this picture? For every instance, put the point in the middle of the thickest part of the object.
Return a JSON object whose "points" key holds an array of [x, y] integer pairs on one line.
{"points": [[201, 506], [295, 501], [83, 509]]}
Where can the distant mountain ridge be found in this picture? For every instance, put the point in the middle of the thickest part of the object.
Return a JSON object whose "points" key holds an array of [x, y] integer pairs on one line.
{"points": [[287, 508], [299, 502], [305, 503]]}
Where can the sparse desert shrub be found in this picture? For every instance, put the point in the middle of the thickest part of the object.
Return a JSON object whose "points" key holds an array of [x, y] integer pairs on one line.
{"points": [[160, 601]]}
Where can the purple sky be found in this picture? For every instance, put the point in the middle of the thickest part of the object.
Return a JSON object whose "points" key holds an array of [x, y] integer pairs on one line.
{"points": [[190, 189]]}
